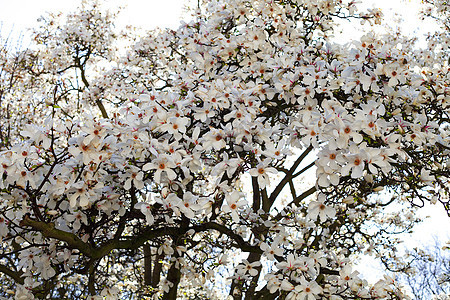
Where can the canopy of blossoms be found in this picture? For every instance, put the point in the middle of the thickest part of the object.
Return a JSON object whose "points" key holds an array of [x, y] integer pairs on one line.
{"points": [[183, 166]]}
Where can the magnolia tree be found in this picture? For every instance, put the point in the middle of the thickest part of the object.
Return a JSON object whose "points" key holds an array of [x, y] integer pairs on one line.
{"points": [[243, 155]]}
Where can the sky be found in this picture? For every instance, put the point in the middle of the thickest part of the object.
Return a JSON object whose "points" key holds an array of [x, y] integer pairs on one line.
{"points": [[22, 14], [397, 13], [142, 13], [18, 15]]}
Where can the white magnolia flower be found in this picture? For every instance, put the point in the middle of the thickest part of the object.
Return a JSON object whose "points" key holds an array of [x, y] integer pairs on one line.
{"points": [[318, 208], [261, 173], [234, 203], [161, 164]]}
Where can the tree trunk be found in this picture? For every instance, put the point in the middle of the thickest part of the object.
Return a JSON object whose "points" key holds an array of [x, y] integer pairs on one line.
{"points": [[147, 265], [174, 276]]}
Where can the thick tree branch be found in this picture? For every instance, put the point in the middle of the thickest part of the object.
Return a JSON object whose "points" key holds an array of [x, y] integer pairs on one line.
{"points": [[174, 277], [297, 200], [147, 265], [256, 194], [16, 276], [137, 241], [289, 175], [48, 230], [241, 243]]}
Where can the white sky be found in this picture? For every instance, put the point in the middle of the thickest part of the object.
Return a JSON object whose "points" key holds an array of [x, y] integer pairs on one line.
{"points": [[22, 14], [148, 13]]}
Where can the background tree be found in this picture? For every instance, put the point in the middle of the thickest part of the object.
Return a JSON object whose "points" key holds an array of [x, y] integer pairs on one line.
{"points": [[11, 72], [428, 270], [177, 167]]}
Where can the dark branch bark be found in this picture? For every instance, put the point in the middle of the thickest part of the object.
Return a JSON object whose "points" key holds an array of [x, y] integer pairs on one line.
{"points": [[289, 175], [241, 243], [48, 230], [86, 83], [91, 280], [297, 200], [256, 194], [173, 276], [147, 265], [157, 267], [16, 276]]}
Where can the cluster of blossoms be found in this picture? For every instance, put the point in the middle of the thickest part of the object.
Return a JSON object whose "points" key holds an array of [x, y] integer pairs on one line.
{"points": [[156, 185]]}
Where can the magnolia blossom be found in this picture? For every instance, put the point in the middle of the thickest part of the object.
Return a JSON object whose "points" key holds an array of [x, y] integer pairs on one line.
{"points": [[161, 164], [347, 275], [44, 267], [234, 203], [319, 209], [326, 175], [248, 267], [110, 293], [272, 250], [82, 193], [146, 209], [136, 178], [261, 173], [273, 283], [305, 291], [76, 219], [189, 205], [355, 164], [175, 125], [215, 138], [347, 129], [291, 263]]}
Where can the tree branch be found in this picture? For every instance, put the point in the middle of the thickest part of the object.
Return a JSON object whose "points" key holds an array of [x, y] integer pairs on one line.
{"points": [[48, 230], [241, 243], [289, 175], [16, 276]]}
